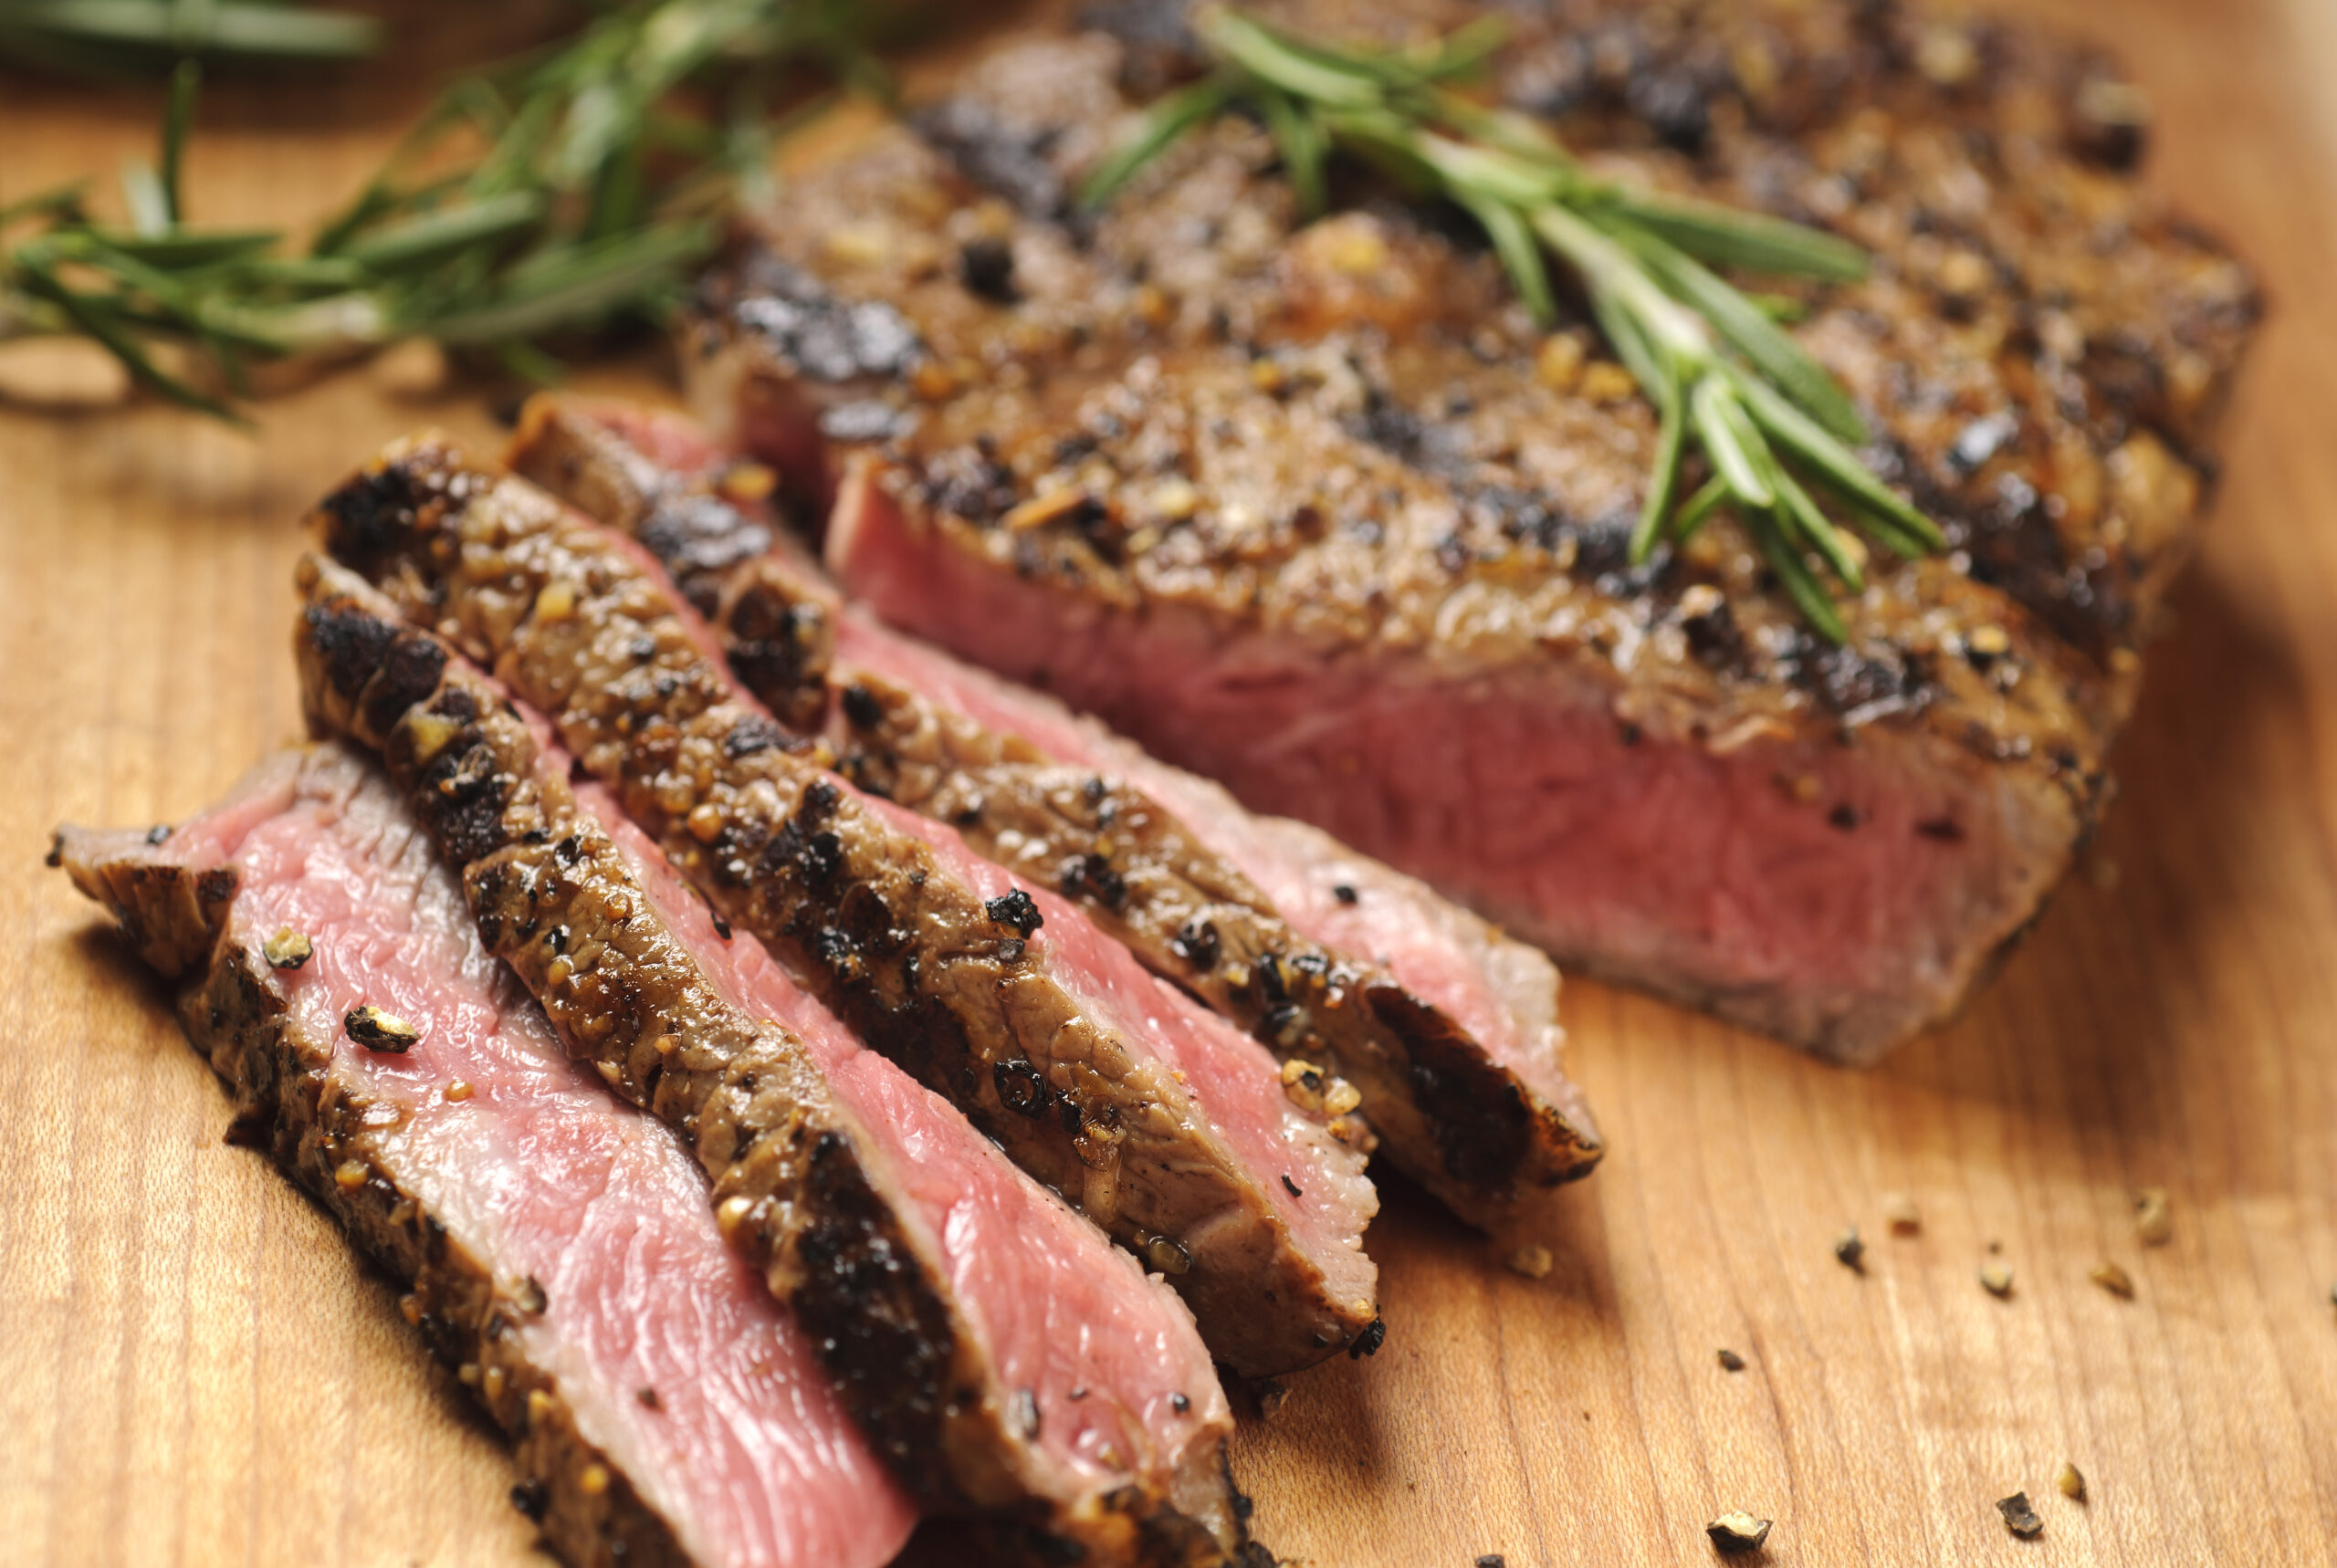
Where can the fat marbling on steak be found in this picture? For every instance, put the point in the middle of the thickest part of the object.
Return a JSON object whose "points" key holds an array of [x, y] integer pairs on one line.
{"points": [[1318, 511], [1158, 1120], [1447, 1030], [553, 1245], [1007, 1361]]}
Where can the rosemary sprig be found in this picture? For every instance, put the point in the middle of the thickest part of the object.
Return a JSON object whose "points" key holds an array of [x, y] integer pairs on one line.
{"points": [[1772, 425], [104, 37], [557, 194]]}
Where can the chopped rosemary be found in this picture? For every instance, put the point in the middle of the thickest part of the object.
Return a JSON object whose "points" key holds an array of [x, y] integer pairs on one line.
{"points": [[1772, 426], [577, 186]]}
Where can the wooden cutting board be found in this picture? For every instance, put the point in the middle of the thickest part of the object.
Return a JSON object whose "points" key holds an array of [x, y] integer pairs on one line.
{"points": [[192, 1369]]}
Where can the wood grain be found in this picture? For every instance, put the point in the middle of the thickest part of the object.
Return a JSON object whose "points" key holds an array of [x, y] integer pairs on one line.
{"points": [[191, 1369]]}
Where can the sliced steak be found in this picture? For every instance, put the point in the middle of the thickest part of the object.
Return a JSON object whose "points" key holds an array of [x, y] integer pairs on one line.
{"points": [[1317, 512], [966, 1312], [1160, 1122], [1266, 919], [556, 1247]]}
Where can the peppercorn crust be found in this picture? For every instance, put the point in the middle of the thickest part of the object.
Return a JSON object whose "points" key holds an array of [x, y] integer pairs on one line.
{"points": [[1445, 1113], [314, 1125], [1195, 437], [865, 915], [793, 1187], [779, 640]]}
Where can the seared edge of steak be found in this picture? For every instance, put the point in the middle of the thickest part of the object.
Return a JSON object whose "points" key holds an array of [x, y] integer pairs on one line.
{"points": [[736, 565], [873, 912], [798, 1185], [315, 1125], [1839, 896], [1447, 1113]]}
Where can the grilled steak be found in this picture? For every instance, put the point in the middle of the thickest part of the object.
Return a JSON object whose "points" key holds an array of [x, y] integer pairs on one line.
{"points": [[555, 1246], [1317, 512], [958, 1305], [1160, 1122], [1464, 1092]]}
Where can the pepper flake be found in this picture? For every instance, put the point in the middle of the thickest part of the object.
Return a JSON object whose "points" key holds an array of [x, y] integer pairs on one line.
{"points": [[2019, 1518], [375, 1029], [1738, 1533]]}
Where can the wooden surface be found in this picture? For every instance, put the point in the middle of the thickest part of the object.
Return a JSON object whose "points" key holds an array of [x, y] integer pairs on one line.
{"points": [[192, 1369]]}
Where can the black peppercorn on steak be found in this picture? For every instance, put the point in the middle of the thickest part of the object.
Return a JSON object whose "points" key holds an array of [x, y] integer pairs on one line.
{"points": [[1005, 1359], [1160, 1121], [1316, 509], [556, 1247], [1445, 1031]]}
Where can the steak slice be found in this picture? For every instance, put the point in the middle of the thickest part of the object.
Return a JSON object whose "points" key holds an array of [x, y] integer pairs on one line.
{"points": [[965, 1312], [556, 1247], [1464, 1090], [1317, 512], [1158, 1119]]}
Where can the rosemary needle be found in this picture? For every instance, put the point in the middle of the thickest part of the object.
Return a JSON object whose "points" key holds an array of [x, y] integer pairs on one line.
{"points": [[107, 37], [1772, 426], [579, 185]]}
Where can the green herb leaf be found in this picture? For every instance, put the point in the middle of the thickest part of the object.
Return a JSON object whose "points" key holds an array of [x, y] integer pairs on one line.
{"points": [[1303, 148], [1664, 483], [96, 34], [1725, 378], [186, 81], [1711, 498], [418, 242], [1162, 124], [1731, 442], [1800, 583], [1730, 237], [1742, 324], [1520, 257], [600, 185]]}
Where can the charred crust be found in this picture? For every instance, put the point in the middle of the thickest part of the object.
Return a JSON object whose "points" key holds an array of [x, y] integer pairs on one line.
{"points": [[862, 707], [370, 519], [881, 1330], [350, 645], [409, 670], [1008, 160], [1157, 890], [1483, 1129], [914, 965], [542, 879], [750, 734], [780, 651]]}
